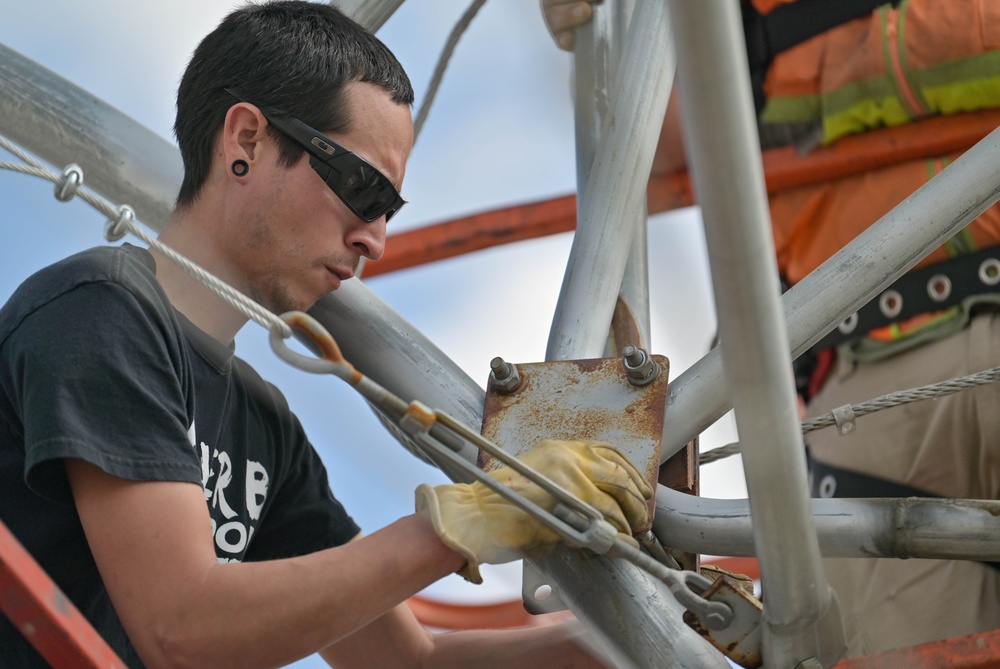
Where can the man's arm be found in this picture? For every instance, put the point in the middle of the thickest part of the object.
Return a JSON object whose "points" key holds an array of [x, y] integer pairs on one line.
{"points": [[397, 641], [152, 542]]}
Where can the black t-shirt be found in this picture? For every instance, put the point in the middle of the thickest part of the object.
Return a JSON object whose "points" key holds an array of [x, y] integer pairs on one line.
{"points": [[95, 364]]}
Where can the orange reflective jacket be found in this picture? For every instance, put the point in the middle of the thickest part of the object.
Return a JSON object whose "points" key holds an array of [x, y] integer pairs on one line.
{"points": [[892, 68]]}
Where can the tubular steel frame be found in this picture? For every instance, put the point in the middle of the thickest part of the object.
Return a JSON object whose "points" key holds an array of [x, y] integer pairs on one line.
{"points": [[637, 618]]}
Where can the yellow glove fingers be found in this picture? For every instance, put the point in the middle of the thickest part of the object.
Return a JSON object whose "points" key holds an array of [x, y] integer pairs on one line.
{"points": [[484, 527], [629, 489], [611, 453], [598, 474]]}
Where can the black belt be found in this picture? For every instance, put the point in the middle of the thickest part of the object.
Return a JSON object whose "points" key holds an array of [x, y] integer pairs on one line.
{"points": [[932, 288]]}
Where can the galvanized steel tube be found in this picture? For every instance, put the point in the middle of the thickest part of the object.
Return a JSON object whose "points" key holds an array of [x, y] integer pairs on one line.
{"points": [[636, 615], [598, 49], [624, 158], [890, 528], [724, 159], [62, 123]]}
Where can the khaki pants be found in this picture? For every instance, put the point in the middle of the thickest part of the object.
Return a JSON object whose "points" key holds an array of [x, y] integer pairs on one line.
{"points": [[948, 446]]}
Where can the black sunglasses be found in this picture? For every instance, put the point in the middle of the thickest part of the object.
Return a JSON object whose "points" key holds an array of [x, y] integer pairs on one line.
{"points": [[366, 191]]}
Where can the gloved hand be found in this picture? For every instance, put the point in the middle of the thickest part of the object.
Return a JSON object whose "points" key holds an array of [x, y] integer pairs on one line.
{"points": [[486, 528], [562, 16]]}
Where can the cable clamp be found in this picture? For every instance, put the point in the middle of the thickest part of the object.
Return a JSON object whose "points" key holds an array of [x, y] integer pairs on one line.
{"points": [[845, 418], [115, 229], [69, 183]]}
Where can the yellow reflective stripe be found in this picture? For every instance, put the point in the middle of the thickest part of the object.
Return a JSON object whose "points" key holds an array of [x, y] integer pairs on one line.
{"points": [[964, 96], [791, 109], [981, 66], [967, 84], [842, 99], [864, 115], [933, 167], [889, 24]]}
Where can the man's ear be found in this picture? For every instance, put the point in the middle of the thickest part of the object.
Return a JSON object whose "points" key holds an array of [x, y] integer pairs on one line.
{"points": [[242, 133]]}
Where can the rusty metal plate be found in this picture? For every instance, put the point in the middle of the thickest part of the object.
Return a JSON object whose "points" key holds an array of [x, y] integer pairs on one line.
{"points": [[580, 399]]}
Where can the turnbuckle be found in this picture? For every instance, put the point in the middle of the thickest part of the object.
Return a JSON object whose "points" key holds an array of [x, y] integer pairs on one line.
{"points": [[442, 437]]}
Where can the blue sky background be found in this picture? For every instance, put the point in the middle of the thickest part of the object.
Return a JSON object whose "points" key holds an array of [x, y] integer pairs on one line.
{"points": [[500, 133]]}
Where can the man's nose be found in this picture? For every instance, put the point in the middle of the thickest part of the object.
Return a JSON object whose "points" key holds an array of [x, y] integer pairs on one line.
{"points": [[369, 238]]}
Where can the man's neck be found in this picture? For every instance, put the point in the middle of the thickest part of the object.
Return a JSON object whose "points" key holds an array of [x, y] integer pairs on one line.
{"points": [[200, 304]]}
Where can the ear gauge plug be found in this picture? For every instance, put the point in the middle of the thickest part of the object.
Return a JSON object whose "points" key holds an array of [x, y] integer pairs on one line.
{"points": [[240, 167]]}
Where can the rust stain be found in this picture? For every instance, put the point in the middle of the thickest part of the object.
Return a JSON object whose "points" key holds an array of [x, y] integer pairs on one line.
{"points": [[624, 326], [580, 399]]}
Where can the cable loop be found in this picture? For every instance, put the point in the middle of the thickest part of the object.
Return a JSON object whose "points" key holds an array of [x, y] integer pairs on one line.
{"points": [[115, 229], [69, 182]]}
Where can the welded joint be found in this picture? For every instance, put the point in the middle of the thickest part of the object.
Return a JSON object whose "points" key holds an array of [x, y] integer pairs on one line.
{"points": [[846, 420], [900, 547]]}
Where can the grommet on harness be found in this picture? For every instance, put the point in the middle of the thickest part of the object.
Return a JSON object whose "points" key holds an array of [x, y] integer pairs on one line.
{"points": [[932, 288]]}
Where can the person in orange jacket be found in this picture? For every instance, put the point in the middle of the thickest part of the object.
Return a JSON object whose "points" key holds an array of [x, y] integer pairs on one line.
{"points": [[833, 76]]}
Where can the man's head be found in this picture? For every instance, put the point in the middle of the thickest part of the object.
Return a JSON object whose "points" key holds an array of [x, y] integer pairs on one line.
{"points": [[294, 56], [272, 81]]}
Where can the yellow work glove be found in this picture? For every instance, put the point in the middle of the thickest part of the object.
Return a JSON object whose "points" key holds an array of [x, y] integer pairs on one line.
{"points": [[486, 528]]}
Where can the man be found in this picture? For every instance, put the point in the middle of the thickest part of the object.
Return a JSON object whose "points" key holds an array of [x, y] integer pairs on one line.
{"points": [[890, 66], [165, 487]]}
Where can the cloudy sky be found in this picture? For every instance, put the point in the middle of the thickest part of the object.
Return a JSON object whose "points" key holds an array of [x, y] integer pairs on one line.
{"points": [[500, 133]]}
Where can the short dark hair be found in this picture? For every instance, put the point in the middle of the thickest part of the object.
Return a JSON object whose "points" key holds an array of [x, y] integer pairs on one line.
{"points": [[293, 55]]}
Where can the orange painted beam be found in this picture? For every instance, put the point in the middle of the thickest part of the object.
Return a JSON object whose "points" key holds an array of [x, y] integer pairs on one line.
{"points": [[37, 607], [978, 651], [473, 233], [784, 169]]}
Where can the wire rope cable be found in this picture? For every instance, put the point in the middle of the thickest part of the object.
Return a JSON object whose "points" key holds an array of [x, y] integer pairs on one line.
{"points": [[122, 220], [887, 401], [446, 53]]}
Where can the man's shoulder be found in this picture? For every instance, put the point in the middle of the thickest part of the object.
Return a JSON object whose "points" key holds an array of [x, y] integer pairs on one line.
{"points": [[127, 266], [122, 264]]}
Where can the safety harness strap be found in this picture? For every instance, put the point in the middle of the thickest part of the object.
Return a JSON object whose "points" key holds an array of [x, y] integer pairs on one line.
{"points": [[932, 288]]}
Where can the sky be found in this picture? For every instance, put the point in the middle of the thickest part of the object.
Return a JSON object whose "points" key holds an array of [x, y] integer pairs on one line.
{"points": [[500, 133]]}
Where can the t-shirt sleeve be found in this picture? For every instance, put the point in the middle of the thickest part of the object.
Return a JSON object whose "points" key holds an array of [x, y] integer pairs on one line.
{"points": [[100, 375]]}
